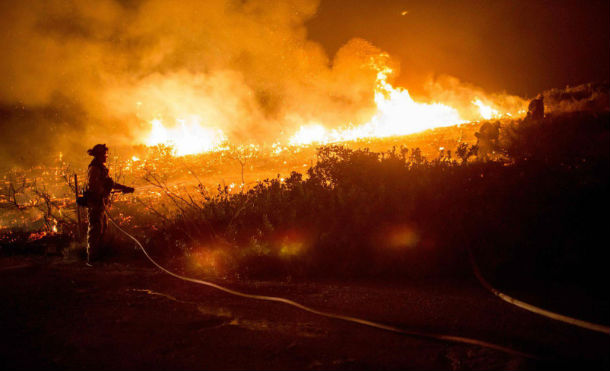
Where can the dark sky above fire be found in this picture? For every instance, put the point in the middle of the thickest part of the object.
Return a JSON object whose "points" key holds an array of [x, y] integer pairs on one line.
{"points": [[523, 47], [74, 73]]}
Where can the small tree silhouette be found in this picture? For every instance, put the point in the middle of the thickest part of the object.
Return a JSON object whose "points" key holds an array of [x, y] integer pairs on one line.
{"points": [[242, 154], [464, 151]]}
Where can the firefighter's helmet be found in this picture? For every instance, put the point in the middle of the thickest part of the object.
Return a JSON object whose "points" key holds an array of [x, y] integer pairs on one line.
{"points": [[98, 149]]}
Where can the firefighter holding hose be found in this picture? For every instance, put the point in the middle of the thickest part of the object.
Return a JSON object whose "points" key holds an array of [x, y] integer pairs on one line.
{"points": [[487, 139], [97, 199]]}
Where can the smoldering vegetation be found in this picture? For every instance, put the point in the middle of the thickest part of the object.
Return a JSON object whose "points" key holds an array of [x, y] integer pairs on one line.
{"points": [[75, 72], [534, 209], [586, 97], [531, 212], [356, 212]]}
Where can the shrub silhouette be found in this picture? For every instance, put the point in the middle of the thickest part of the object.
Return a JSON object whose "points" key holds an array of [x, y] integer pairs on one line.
{"points": [[361, 213]]}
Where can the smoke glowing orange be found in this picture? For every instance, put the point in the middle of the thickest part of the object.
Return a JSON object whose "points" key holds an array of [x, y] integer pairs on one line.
{"points": [[187, 137], [487, 112], [396, 114]]}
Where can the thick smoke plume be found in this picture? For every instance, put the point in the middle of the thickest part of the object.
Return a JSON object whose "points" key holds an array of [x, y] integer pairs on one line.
{"points": [[450, 90], [75, 73], [585, 97], [99, 71]]}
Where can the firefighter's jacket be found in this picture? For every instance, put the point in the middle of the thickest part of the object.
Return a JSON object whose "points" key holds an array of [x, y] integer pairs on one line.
{"points": [[100, 185]]}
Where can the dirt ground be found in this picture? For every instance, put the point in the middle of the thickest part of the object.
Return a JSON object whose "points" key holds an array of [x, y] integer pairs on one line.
{"points": [[58, 314]]}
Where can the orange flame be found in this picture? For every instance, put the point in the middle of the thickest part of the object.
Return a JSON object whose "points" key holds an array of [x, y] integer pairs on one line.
{"points": [[187, 138], [397, 114], [486, 111]]}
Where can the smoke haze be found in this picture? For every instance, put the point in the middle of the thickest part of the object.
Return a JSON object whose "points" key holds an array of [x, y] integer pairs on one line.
{"points": [[76, 73], [100, 70]]}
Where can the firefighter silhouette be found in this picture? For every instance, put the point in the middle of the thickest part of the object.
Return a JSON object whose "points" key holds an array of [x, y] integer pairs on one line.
{"points": [[535, 110], [487, 139], [98, 196]]}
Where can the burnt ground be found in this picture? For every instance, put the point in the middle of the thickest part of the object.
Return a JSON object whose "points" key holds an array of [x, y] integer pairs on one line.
{"points": [[57, 314]]}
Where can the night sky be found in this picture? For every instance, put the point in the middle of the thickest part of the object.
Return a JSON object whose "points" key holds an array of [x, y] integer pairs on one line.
{"points": [[523, 47]]}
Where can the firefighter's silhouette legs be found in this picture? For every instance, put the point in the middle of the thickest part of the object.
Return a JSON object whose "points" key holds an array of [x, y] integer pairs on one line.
{"points": [[98, 224]]}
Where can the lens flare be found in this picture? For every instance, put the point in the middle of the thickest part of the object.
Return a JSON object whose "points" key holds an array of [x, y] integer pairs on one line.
{"points": [[398, 237], [210, 260], [291, 243]]}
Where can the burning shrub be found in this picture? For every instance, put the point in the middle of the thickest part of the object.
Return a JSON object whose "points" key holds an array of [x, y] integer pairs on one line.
{"points": [[357, 212], [362, 213]]}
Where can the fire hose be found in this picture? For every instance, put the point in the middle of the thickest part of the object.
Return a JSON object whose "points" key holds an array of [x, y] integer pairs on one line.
{"points": [[532, 308], [521, 304], [381, 326]]}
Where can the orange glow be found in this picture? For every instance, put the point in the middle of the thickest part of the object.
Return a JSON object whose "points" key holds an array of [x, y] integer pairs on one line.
{"points": [[211, 261], [397, 114], [36, 236], [313, 133], [291, 243], [291, 248], [187, 137], [401, 236], [487, 112]]}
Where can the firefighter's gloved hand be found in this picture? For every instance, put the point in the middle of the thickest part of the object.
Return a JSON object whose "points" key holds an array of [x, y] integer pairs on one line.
{"points": [[128, 190]]}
